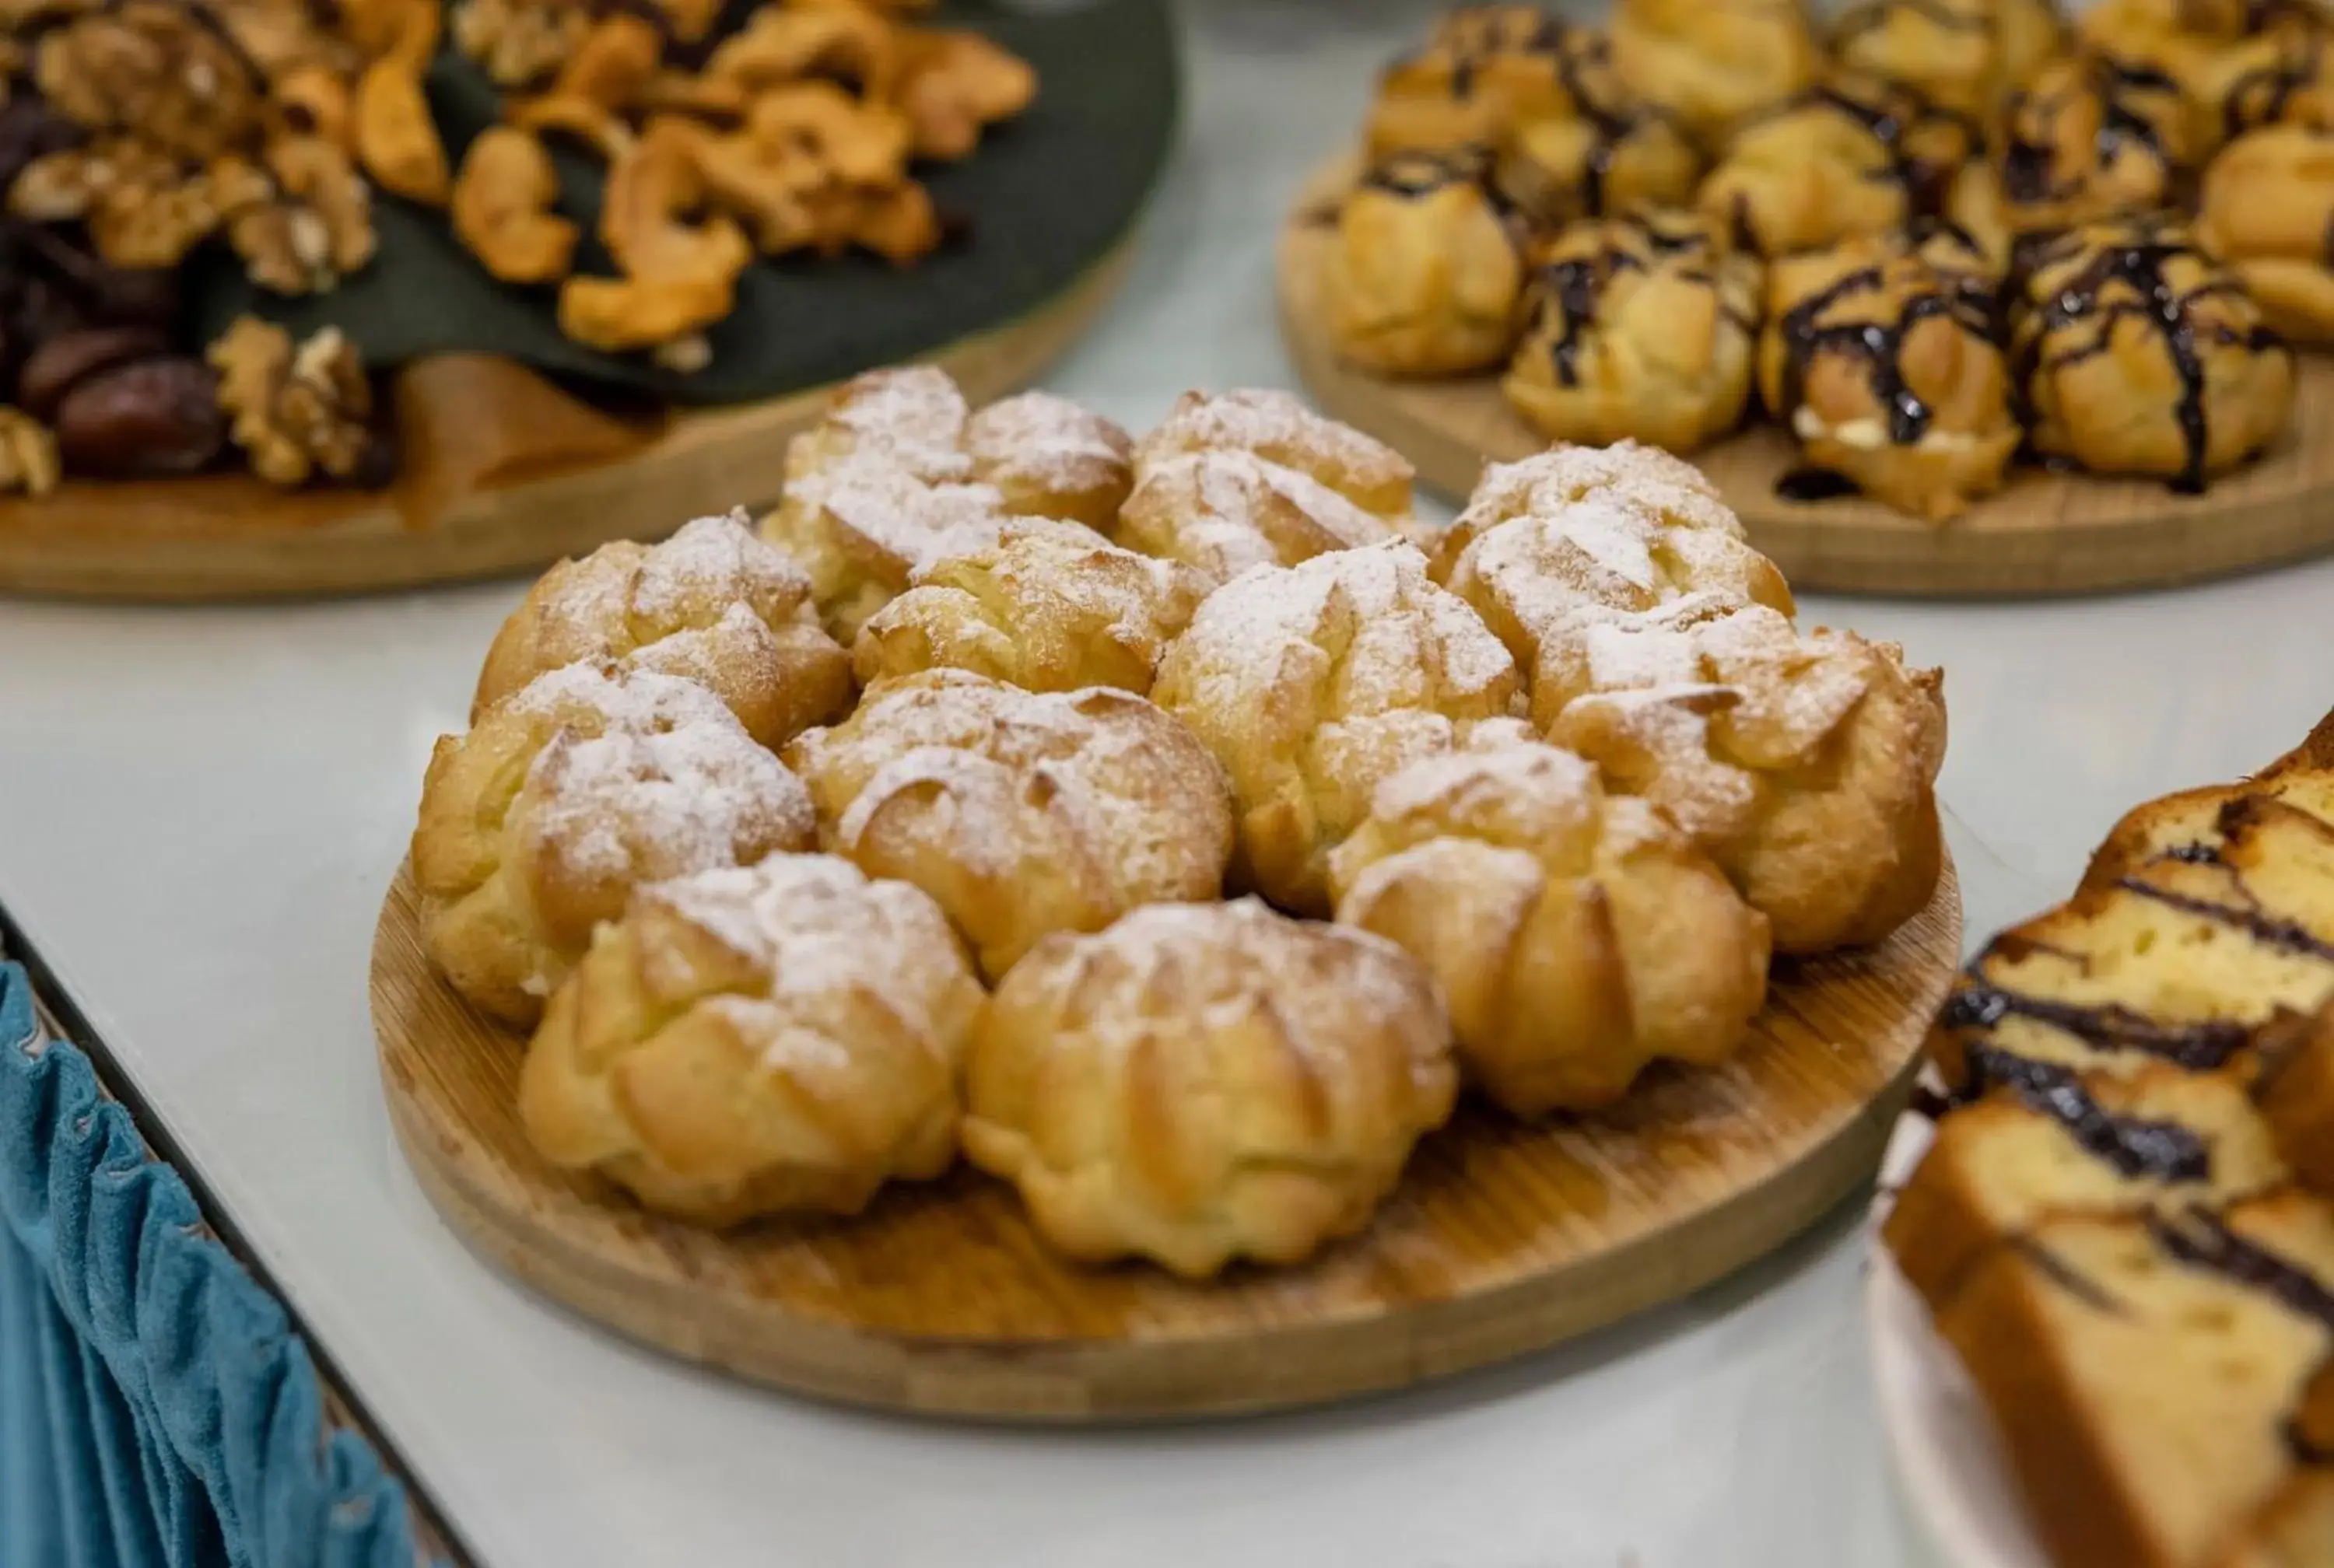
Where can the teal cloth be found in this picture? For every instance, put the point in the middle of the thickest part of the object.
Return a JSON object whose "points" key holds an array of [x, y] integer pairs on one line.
{"points": [[156, 1410]]}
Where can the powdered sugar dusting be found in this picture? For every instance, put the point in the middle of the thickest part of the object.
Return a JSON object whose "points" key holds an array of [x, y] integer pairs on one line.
{"points": [[1549, 481], [1552, 789], [658, 804], [891, 508], [913, 416], [816, 924], [1049, 442], [713, 559], [1277, 425], [594, 695], [1328, 987]]}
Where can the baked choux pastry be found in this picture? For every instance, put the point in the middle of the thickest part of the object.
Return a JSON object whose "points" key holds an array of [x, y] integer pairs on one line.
{"points": [[2146, 355], [1854, 156], [2278, 76], [1612, 152], [1311, 683], [564, 798], [1883, 355], [899, 462], [1042, 605], [1804, 764], [1545, 481], [2266, 209], [1483, 71], [1257, 479], [1575, 935], [1279, 428], [1641, 327], [757, 1040], [713, 604], [1715, 64], [1019, 813], [1428, 273], [1541, 580], [2088, 139], [1049, 458], [1962, 56], [1202, 1083]]}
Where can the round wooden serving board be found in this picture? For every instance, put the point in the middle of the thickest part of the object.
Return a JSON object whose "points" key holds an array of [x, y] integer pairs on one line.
{"points": [[231, 537], [1504, 1238], [2045, 534]]}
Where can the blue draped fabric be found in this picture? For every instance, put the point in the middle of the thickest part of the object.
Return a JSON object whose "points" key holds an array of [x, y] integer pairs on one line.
{"points": [[156, 1408]]}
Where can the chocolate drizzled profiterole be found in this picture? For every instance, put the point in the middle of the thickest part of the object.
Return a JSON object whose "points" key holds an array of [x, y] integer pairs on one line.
{"points": [[1429, 272], [1885, 355], [1484, 70], [2092, 137], [2114, 314], [1643, 327], [1612, 152]]}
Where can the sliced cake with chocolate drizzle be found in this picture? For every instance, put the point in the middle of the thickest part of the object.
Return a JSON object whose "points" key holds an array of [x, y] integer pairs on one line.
{"points": [[2107, 1225]]}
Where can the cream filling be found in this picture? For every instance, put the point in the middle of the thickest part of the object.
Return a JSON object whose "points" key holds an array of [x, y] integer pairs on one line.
{"points": [[1869, 435]]}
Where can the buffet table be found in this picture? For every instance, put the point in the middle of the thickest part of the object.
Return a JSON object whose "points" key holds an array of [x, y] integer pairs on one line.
{"points": [[199, 810]]}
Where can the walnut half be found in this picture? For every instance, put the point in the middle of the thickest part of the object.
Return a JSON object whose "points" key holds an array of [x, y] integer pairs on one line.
{"points": [[297, 410]]}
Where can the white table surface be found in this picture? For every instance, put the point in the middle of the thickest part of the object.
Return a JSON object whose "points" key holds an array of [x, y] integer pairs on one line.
{"points": [[199, 810]]}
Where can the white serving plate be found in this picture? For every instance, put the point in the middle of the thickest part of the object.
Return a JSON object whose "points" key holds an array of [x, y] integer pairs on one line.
{"points": [[1949, 1464]]}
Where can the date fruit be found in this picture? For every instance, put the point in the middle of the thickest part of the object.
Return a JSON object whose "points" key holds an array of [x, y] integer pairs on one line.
{"points": [[145, 418], [63, 362]]}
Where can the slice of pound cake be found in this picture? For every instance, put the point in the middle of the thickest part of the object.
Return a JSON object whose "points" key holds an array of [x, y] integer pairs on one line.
{"points": [[2123, 1225]]}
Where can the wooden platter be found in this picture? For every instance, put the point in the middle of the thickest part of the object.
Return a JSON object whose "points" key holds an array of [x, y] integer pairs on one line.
{"points": [[1504, 1238], [231, 537], [2046, 534]]}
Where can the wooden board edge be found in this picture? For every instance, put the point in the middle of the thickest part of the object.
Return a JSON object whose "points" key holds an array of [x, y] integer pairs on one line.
{"points": [[1118, 1384], [709, 462], [1816, 554]]}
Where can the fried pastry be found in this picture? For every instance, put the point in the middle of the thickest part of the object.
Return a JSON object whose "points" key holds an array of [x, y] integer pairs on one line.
{"points": [[1428, 275], [712, 602], [1714, 63], [1543, 577], [2088, 139], [759, 1040], [1206, 1083], [564, 798], [1020, 814], [1803, 763], [1049, 458], [1962, 56], [1857, 155], [1883, 354], [1575, 935], [1255, 479], [1640, 327], [2143, 355], [2266, 209], [1484, 70], [1312, 683], [1043, 605]]}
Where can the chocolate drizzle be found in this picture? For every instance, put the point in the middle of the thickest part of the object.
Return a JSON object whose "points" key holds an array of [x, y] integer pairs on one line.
{"points": [[2061, 1273], [1965, 299], [1575, 285], [2285, 936], [2138, 269], [1815, 485], [2136, 1146], [1416, 173], [2200, 1046], [2202, 1239], [2125, 124]]}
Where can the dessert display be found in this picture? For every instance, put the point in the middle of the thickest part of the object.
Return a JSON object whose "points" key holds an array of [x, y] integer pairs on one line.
{"points": [[1958, 232], [1179, 837], [2121, 1226]]}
